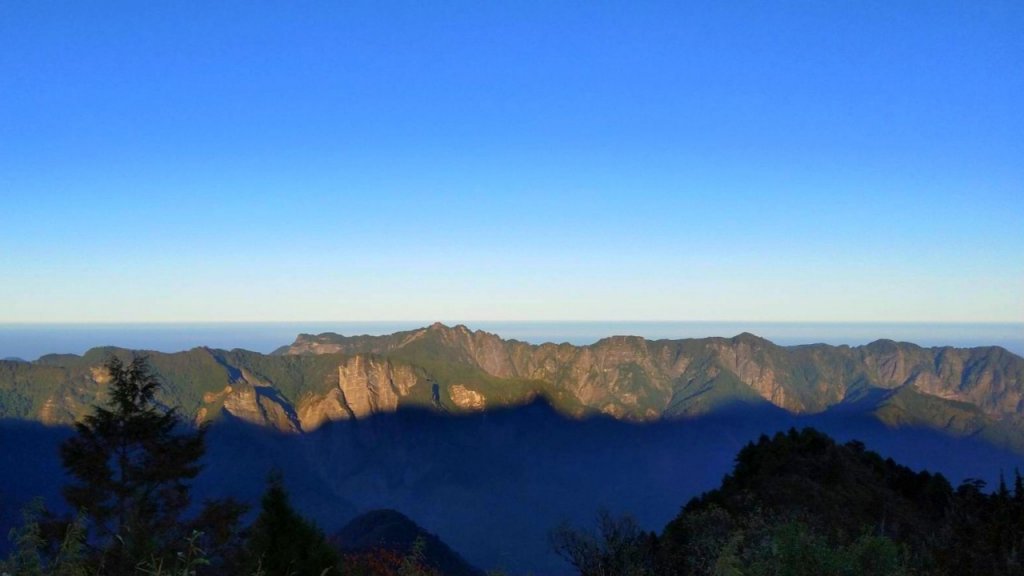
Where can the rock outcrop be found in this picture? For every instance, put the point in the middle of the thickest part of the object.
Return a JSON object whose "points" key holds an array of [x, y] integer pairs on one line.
{"points": [[261, 405], [467, 399], [316, 410], [630, 377], [328, 377], [371, 385]]}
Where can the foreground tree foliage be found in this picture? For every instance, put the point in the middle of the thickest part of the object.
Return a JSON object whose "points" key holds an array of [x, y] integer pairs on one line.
{"points": [[283, 542], [34, 555], [384, 562], [130, 463], [618, 547], [796, 504], [801, 503]]}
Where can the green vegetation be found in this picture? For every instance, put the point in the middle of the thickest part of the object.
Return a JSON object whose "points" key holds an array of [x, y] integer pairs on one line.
{"points": [[390, 538], [282, 542], [25, 387], [908, 407], [618, 546], [33, 555], [960, 392], [293, 376], [131, 464], [800, 504], [702, 391], [795, 504]]}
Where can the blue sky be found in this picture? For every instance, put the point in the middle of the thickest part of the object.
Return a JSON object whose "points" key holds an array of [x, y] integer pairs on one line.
{"points": [[759, 161]]}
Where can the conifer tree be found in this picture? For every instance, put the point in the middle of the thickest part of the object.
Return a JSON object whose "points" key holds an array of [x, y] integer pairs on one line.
{"points": [[283, 542], [130, 463]]}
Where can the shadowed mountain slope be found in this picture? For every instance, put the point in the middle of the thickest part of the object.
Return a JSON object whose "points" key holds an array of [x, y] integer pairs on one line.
{"points": [[631, 377], [392, 530], [801, 503], [492, 484], [977, 392]]}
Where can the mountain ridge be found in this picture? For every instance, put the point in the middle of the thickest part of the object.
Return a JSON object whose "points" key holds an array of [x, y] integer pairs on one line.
{"points": [[886, 363], [327, 377]]}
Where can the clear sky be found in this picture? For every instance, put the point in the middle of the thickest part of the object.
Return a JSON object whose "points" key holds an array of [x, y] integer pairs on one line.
{"points": [[750, 160]]}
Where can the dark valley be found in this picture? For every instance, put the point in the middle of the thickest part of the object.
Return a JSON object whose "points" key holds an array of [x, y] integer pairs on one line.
{"points": [[490, 443]]}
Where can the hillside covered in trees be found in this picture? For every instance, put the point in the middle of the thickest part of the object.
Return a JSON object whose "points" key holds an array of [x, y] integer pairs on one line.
{"points": [[131, 463], [322, 379], [795, 503], [799, 503]]}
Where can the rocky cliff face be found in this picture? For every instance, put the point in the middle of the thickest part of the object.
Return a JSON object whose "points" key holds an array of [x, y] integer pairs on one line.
{"points": [[365, 385], [316, 410], [329, 377], [371, 385], [261, 405], [467, 399], [638, 377], [251, 399]]}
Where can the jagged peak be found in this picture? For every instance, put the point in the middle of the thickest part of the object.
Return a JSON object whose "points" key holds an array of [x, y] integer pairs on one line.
{"points": [[749, 337], [633, 377], [461, 329]]}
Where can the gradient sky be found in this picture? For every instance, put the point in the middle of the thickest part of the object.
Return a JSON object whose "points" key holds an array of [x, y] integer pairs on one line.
{"points": [[772, 161]]}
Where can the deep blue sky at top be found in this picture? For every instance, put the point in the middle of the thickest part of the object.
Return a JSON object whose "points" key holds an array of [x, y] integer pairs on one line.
{"points": [[804, 161]]}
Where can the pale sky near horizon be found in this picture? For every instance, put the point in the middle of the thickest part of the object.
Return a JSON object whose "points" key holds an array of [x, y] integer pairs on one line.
{"points": [[756, 161]]}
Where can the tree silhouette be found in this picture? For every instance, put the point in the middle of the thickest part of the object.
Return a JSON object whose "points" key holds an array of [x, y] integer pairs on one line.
{"points": [[283, 542], [131, 463], [618, 548]]}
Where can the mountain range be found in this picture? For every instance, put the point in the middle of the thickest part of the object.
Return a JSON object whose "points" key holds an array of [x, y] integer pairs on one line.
{"points": [[328, 377], [489, 443]]}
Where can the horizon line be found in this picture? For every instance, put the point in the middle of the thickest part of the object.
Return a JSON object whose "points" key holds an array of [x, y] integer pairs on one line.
{"points": [[469, 323]]}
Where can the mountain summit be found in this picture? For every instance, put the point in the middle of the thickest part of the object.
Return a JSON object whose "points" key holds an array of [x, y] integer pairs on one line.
{"points": [[329, 377]]}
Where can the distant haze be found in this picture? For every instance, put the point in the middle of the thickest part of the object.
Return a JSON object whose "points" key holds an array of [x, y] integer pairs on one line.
{"points": [[29, 341]]}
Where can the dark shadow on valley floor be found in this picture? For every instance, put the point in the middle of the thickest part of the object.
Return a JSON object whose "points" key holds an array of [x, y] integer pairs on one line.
{"points": [[493, 484]]}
